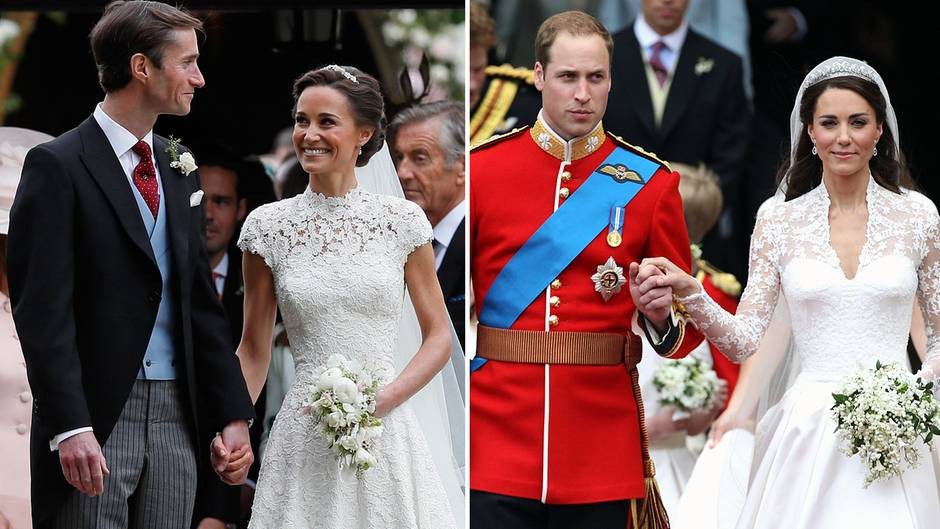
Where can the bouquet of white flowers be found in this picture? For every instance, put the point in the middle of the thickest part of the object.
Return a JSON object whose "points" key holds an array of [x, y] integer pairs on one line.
{"points": [[881, 414], [687, 384], [342, 402]]}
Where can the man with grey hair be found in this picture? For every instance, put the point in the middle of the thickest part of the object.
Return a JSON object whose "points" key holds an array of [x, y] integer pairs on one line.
{"points": [[427, 144]]}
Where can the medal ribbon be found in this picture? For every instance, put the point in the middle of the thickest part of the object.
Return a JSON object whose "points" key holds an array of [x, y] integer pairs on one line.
{"points": [[561, 238]]}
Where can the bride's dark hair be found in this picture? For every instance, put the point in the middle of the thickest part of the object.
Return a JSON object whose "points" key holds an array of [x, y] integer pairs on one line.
{"points": [[364, 96], [806, 172]]}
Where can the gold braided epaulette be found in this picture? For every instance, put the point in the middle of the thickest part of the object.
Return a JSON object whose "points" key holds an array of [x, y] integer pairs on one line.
{"points": [[509, 71], [493, 140], [723, 281], [639, 150]]}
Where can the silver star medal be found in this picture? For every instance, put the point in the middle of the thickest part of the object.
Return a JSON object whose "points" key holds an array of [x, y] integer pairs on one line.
{"points": [[608, 279]]}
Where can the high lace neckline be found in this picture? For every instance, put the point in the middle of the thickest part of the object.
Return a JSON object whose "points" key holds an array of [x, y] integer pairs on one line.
{"points": [[319, 199]]}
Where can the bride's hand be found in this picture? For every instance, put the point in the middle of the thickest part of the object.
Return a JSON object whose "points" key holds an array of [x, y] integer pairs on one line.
{"points": [[729, 420], [703, 417], [382, 403], [682, 284]]}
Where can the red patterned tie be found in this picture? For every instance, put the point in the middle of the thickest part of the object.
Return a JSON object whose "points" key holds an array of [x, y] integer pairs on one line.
{"points": [[215, 283], [145, 177], [656, 61]]}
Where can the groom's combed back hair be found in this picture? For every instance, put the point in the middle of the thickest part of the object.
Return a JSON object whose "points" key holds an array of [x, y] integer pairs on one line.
{"points": [[574, 23], [365, 101], [133, 27]]}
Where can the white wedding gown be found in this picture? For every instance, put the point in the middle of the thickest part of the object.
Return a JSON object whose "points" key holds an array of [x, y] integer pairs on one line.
{"points": [[338, 268], [799, 478]]}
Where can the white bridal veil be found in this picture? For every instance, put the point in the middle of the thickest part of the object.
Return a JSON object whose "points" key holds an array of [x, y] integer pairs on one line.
{"points": [[439, 405]]}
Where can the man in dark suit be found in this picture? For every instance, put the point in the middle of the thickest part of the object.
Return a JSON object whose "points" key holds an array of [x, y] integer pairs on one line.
{"points": [[233, 187], [128, 352], [427, 143], [678, 94]]}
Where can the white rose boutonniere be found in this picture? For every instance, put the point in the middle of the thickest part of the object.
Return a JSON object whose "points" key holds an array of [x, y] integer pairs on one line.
{"points": [[184, 163], [703, 65]]}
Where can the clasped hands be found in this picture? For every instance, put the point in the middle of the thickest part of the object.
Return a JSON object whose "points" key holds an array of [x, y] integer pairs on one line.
{"points": [[231, 454], [84, 465], [653, 282]]}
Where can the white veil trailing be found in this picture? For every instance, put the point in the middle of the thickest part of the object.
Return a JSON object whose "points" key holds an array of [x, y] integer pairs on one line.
{"points": [[775, 366], [439, 405], [781, 367], [830, 68]]}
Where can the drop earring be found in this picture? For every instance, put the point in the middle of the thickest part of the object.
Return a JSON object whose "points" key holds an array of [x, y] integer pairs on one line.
{"points": [[814, 149], [874, 152]]}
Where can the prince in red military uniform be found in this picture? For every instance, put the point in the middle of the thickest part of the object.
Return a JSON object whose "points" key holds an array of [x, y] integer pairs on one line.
{"points": [[560, 440]]}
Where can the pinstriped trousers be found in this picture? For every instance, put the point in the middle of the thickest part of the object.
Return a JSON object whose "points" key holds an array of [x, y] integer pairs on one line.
{"points": [[153, 467]]}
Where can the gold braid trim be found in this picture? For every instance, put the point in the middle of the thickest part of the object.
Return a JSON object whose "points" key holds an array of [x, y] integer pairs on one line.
{"points": [[492, 110], [724, 281], [651, 155], [648, 512], [512, 72], [498, 138]]}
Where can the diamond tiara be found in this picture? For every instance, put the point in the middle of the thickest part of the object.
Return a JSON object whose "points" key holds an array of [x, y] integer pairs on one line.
{"points": [[340, 69], [838, 67]]}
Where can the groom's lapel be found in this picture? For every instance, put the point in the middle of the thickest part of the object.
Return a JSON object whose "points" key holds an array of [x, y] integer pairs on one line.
{"points": [[176, 201], [104, 167]]}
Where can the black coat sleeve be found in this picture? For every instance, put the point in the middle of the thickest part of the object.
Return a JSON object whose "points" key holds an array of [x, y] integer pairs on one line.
{"points": [[222, 385], [40, 268]]}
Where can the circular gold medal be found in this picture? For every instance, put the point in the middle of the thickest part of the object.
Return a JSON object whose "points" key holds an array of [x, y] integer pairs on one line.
{"points": [[614, 239]]}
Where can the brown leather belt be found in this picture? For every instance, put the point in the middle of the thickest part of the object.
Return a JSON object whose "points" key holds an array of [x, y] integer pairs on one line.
{"points": [[573, 348]]}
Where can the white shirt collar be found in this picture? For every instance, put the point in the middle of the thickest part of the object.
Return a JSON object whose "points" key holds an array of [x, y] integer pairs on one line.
{"points": [[222, 267], [646, 36], [121, 139], [444, 230]]}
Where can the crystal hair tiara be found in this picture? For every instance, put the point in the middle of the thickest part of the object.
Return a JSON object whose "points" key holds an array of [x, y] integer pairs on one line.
{"points": [[839, 67], [340, 69]]}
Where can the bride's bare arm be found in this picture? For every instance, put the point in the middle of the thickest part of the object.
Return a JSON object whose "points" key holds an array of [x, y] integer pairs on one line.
{"points": [[421, 278], [260, 308]]}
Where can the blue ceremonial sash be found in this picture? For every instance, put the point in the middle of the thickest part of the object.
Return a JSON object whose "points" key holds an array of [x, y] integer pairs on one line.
{"points": [[562, 237]]}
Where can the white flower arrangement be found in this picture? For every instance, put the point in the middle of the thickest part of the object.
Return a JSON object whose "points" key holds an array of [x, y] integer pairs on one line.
{"points": [[184, 163], [687, 384], [883, 414], [342, 402]]}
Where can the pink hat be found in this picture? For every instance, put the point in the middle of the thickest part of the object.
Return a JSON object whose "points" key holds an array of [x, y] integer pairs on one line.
{"points": [[14, 144]]}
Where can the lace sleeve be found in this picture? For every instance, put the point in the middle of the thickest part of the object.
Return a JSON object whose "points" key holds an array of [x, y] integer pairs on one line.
{"points": [[738, 335], [417, 229], [928, 296], [255, 239]]}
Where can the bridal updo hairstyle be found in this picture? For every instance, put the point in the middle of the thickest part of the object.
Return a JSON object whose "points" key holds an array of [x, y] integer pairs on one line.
{"points": [[364, 97], [806, 172]]}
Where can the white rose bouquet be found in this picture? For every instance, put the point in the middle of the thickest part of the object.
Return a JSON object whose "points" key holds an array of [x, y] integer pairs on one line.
{"points": [[687, 384], [882, 414], [342, 402]]}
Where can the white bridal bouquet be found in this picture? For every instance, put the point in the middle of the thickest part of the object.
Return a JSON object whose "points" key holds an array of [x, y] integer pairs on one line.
{"points": [[881, 414], [687, 384], [342, 402]]}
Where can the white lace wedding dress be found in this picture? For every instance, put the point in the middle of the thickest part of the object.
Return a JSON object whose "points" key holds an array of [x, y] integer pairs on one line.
{"points": [[799, 479], [338, 267]]}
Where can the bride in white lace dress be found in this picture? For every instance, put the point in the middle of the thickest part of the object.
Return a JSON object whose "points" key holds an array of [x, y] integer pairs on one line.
{"points": [[850, 250], [336, 260]]}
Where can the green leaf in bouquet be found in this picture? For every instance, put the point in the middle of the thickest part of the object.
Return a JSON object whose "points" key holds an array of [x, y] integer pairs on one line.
{"points": [[934, 429], [840, 398], [928, 438]]}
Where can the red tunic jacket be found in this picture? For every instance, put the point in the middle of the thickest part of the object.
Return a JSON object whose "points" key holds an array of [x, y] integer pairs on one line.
{"points": [[561, 433]]}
